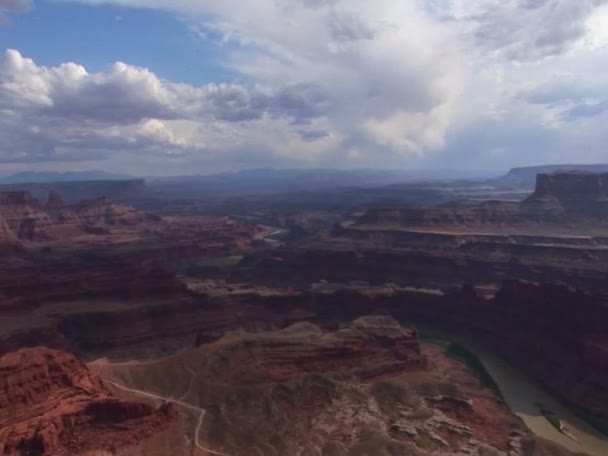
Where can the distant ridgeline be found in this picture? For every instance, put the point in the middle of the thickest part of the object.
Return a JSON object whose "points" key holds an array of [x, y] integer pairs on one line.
{"points": [[558, 199], [525, 177], [74, 191]]}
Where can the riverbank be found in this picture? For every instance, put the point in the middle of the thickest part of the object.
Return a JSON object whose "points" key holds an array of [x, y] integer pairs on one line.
{"points": [[529, 401]]}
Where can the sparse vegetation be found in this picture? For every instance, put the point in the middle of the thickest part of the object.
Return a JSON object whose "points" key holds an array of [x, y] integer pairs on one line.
{"points": [[553, 419], [475, 364]]}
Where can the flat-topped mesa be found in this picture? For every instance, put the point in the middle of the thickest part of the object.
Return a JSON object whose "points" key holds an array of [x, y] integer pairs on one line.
{"points": [[19, 198], [369, 347], [52, 405], [525, 177], [573, 192]]}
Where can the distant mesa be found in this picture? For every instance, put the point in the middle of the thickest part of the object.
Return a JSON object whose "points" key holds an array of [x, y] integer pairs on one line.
{"points": [[16, 198], [55, 200], [558, 198], [23, 217], [29, 177], [525, 177], [75, 191], [575, 192]]}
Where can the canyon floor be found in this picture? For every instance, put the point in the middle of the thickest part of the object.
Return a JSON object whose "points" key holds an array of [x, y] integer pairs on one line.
{"points": [[414, 319]]}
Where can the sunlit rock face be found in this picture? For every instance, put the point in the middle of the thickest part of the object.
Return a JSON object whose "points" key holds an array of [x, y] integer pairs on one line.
{"points": [[53, 405]]}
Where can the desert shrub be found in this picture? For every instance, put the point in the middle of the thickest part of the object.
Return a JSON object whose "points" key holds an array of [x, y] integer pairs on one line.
{"points": [[553, 419], [475, 364]]}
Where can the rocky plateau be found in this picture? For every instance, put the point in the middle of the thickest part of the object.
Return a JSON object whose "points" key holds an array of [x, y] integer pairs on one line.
{"points": [[228, 329], [51, 404]]}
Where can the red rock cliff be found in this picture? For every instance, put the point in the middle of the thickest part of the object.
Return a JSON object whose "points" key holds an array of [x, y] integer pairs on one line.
{"points": [[575, 193], [50, 404]]}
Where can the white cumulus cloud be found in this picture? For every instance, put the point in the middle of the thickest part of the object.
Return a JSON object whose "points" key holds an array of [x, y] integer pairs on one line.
{"points": [[332, 82]]}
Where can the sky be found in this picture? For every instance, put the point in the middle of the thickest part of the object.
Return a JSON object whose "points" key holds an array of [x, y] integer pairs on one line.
{"points": [[167, 87]]}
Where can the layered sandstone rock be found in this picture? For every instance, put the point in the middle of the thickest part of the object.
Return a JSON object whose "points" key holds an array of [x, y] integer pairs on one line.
{"points": [[370, 347], [52, 405], [9, 243], [575, 194], [24, 216], [55, 200], [30, 221], [102, 211], [89, 275], [561, 339], [18, 198], [558, 198], [368, 388], [489, 212]]}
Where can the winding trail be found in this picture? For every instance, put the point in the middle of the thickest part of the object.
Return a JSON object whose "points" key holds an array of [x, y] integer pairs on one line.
{"points": [[191, 384], [201, 412]]}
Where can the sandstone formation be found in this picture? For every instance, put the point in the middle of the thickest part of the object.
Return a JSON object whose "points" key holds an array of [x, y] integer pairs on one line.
{"points": [[9, 243], [370, 347], [101, 211], [55, 200], [52, 405], [560, 337], [91, 275], [74, 191], [24, 216], [489, 212], [525, 177], [369, 388], [30, 221], [574, 194], [559, 198], [98, 279]]}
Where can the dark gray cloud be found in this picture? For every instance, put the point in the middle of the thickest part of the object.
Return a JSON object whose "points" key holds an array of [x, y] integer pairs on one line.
{"points": [[533, 4], [300, 103], [127, 94], [571, 100], [530, 30], [584, 110], [332, 83], [311, 135], [349, 27], [564, 92], [64, 112]]}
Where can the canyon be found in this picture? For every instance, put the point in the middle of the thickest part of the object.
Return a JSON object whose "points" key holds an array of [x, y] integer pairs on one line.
{"points": [[290, 326], [370, 386], [52, 404]]}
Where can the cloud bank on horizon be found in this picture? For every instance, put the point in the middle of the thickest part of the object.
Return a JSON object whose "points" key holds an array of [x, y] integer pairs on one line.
{"points": [[340, 83]]}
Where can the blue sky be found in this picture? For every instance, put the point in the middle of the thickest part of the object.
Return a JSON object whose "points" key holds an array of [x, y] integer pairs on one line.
{"points": [[156, 87], [54, 32]]}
